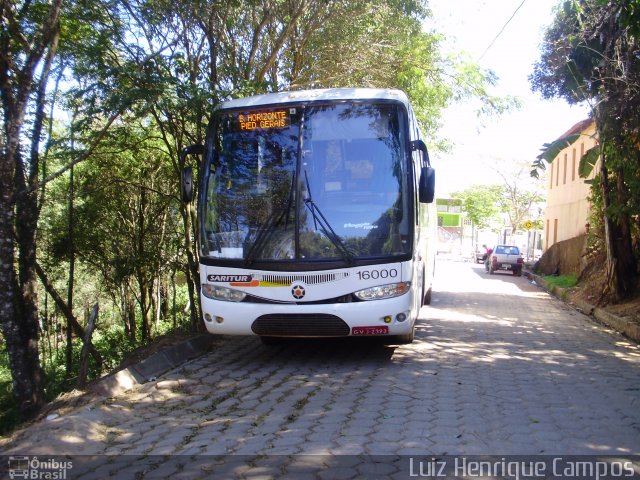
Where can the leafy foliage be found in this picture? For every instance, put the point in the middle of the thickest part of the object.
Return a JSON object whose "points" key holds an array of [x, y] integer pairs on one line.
{"points": [[590, 54], [588, 162], [480, 203], [550, 151]]}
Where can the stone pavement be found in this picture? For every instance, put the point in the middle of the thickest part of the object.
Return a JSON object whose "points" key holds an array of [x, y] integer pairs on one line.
{"points": [[498, 367], [627, 326]]}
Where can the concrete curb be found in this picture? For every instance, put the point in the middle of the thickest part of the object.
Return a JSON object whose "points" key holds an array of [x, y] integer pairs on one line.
{"points": [[629, 329], [153, 366]]}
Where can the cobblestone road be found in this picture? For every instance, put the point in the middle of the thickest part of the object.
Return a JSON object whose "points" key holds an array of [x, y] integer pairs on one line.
{"points": [[498, 367]]}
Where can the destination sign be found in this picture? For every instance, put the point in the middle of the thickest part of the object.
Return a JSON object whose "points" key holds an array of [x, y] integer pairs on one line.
{"points": [[264, 120]]}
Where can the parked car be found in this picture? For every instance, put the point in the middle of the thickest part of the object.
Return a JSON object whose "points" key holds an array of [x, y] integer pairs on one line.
{"points": [[506, 258]]}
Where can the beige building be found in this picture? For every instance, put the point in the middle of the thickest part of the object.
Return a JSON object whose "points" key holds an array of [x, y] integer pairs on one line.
{"points": [[568, 207]]}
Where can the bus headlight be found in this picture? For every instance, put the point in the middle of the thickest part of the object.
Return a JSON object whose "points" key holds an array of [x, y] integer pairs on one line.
{"points": [[383, 291], [217, 292]]}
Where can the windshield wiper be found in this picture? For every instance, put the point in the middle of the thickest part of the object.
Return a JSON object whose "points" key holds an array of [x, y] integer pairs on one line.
{"points": [[325, 226], [270, 226]]}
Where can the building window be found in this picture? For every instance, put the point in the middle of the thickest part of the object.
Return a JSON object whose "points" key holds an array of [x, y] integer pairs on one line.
{"points": [[551, 178], [546, 240], [564, 175], [573, 166], [557, 173], [555, 230]]}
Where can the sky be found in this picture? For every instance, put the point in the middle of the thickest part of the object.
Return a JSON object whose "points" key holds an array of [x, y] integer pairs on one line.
{"points": [[471, 26]]}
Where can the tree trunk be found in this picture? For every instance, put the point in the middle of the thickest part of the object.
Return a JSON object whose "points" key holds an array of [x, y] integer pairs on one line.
{"points": [[143, 303], [623, 241], [130, 318], [145, 290], [72, 264], [26, 209], [192, 274], [66, 311], [193, 268], [128, 309], [18, 298], [173, 299], [86, 344]]}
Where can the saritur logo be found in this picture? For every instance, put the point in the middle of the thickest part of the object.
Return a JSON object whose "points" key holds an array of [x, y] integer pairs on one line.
{"points": [[229, 278]]}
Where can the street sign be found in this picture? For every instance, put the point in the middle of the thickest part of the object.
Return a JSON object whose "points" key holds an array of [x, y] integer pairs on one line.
{"points": [[528, 225]]}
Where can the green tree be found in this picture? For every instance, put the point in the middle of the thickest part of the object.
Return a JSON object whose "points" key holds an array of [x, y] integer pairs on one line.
{"points": [[39, 41], [481, 204], [518, 204], [590, 54], [28, 44], [382, 44]]}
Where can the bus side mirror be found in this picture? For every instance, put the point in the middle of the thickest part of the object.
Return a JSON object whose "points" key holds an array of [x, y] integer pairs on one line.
{"points": [[186, 185], [186, 175], [427, 185]]}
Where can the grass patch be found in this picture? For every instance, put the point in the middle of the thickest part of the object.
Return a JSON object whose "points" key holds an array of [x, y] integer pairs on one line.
{"points": [[562, 281]]}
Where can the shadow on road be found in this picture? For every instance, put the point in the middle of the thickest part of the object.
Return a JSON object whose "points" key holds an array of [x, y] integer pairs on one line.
{"points": [[498, 366]]}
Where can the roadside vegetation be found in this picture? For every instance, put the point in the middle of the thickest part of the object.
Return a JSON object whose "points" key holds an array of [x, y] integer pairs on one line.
{"points": [[100, 97], [561, 281], [589, 55]]}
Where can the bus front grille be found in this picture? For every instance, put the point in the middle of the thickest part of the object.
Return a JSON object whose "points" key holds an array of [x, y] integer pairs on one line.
{"points": [[306, 325]]}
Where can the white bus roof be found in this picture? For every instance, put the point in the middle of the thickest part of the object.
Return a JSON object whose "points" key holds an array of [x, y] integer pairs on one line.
{"points": [[326, 94]]}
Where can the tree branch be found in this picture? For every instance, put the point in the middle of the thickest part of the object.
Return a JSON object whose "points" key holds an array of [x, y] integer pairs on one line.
{"points": [[66, 311], [86, 154]]}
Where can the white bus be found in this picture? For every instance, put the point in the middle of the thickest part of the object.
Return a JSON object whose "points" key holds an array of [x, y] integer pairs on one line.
{"points": [[314, 216]]}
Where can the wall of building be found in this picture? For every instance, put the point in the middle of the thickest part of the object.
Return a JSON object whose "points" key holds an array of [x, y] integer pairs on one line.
{"points": [[568, 208]]}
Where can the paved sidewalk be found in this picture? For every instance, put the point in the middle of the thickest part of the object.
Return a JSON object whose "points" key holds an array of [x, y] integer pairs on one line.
{"points": [[629, 328]]}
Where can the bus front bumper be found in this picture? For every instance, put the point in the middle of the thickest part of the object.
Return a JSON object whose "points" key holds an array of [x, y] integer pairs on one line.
{"points": [[394, 316]]}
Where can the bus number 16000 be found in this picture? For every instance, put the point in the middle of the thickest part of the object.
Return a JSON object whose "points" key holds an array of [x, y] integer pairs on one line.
{"points": [[376, 274]]}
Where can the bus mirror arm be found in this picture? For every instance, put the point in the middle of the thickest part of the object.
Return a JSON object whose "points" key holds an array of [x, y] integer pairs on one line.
{"points": [[420, 145], [186, 173]]}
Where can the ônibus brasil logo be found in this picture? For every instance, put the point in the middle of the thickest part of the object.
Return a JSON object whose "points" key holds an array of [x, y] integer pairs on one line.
{"points": [[298, 292], [38, 468]]}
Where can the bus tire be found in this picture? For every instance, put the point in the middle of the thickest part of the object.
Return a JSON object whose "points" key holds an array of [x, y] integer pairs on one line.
{"points": [[405, 339], [426, 300]]}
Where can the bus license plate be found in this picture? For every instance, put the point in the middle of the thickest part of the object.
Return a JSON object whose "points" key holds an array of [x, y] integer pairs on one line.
{"points": [[382, 330]]}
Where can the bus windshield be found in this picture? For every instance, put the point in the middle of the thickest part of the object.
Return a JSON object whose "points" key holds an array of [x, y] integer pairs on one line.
{"points": [[308, 183]]}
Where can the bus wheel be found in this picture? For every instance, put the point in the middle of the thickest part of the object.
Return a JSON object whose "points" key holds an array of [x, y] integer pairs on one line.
{"points": [[403, 339], [426, 300]]}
